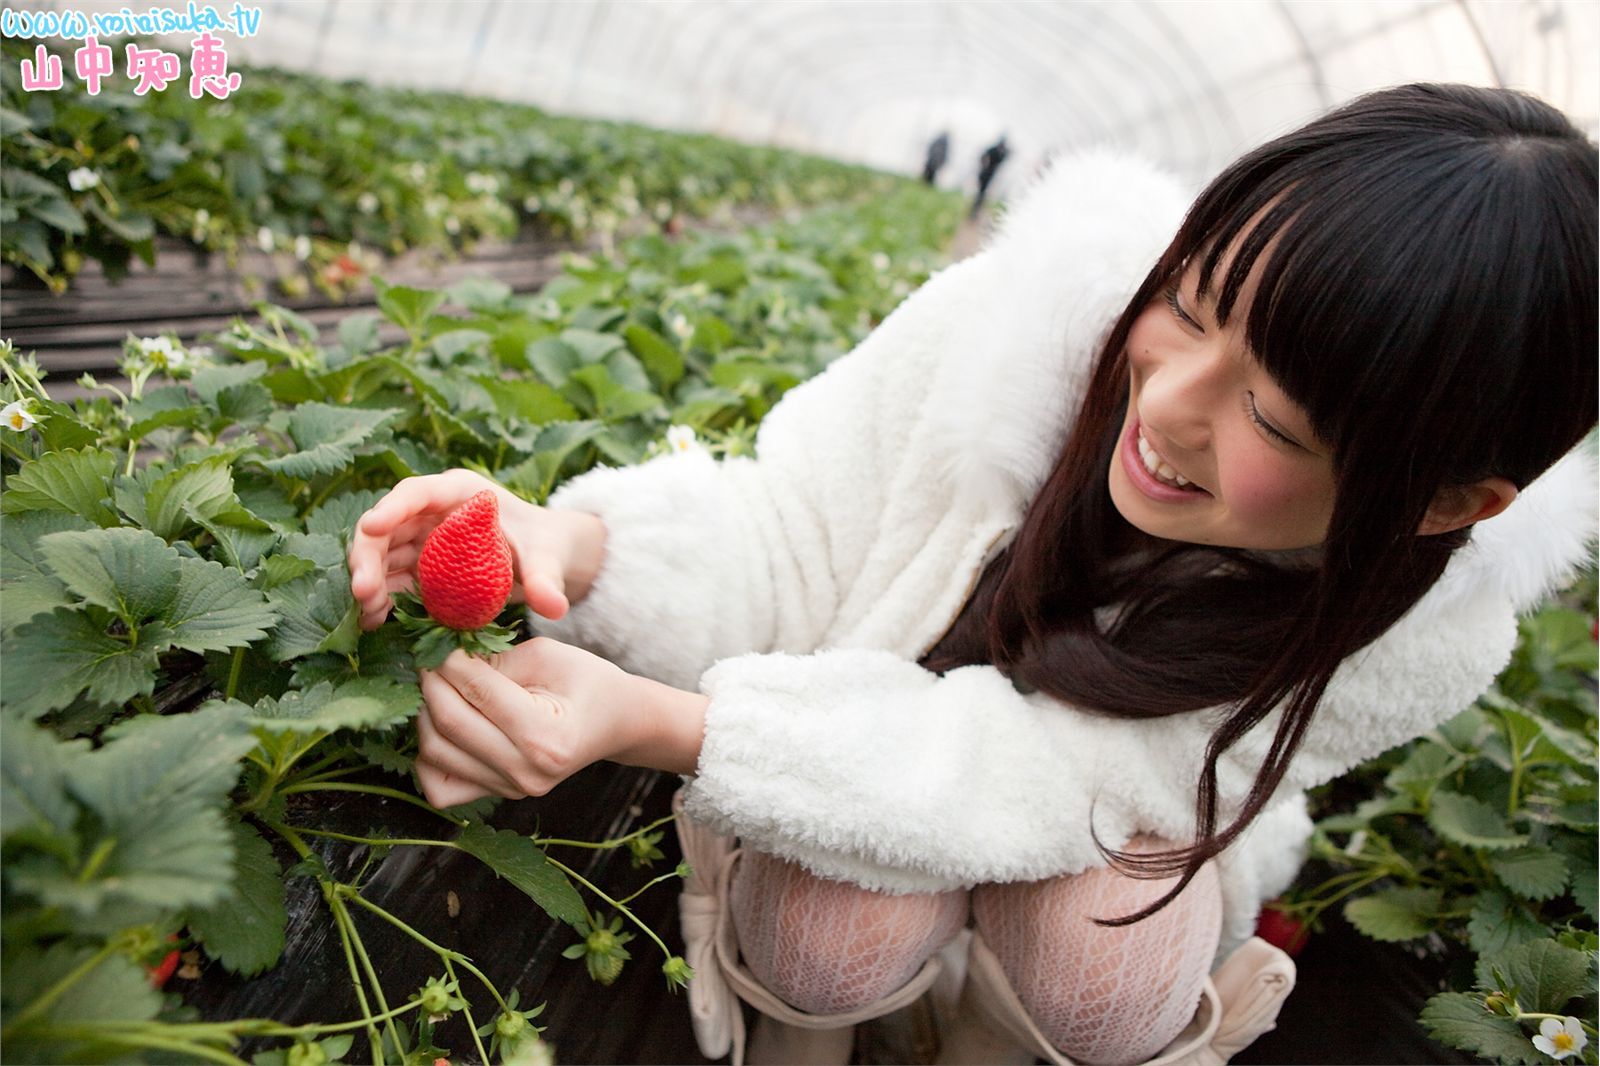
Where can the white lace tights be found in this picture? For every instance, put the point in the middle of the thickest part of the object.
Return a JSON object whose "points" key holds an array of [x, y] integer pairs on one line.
{"points": [[1099, 994]]}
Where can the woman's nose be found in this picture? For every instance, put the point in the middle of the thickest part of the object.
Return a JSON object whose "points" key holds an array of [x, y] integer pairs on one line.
{"points": [[1180, 398]]}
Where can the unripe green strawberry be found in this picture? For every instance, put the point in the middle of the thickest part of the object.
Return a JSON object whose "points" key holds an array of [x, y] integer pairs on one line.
{"points": [[464, 571]]}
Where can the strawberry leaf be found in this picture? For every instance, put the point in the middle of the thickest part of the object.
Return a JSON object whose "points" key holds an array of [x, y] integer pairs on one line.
{"points": [[156, 788], [364, 703], [1395, 913], [116, 990], [325, 437], [215, 609], [316, 614], [246, 931], [1459, 1020], [28, 586], [1546, 975], [1470, 821], [519, 860], [33, 791], [1532, 873], [73, 482], [130, 572], [67, 652]]}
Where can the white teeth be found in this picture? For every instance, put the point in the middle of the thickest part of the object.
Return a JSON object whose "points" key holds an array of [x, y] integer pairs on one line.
{"points": [[1159, 466]]}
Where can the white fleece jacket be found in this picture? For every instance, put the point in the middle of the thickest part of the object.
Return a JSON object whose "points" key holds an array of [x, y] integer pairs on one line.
{"points": [[799, 588]]}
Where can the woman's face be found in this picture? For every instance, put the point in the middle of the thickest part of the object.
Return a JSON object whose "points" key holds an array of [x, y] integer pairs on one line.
{"points": [[1212, 451]]}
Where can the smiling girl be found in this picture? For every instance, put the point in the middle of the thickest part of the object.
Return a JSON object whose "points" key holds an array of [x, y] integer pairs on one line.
{"points": [[1039, 611]]}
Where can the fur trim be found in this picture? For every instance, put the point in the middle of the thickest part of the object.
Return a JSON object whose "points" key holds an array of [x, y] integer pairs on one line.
{"points": [[1535, 546], [1062, 266]]}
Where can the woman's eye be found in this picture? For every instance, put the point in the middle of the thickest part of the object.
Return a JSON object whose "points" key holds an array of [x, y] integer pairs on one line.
{"points": [[1177, 308], [1268, 427]]}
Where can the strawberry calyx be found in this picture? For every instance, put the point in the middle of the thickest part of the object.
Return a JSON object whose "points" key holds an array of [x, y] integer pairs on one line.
{"points": [[433, 641]]}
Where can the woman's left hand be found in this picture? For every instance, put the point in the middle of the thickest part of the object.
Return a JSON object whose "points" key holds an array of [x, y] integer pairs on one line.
{"points": [[521, 722]]}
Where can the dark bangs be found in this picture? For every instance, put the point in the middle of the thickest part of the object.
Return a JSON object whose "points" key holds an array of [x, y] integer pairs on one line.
{"points": [[1418, 288]]}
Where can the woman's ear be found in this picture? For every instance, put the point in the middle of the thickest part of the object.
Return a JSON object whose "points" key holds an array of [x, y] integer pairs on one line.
{"points": [[1462, 505]]}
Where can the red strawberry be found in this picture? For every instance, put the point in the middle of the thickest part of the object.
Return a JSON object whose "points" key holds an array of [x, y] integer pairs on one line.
{"points": [[163, 970], [1281, 930], [465, 567]]}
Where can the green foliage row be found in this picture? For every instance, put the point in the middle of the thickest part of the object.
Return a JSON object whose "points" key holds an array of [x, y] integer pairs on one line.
{"points": [[1478, 842], [306, 166], [184, 542]]}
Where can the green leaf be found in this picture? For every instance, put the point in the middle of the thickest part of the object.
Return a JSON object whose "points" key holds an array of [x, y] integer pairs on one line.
{"points": [[1425, 768], [58, 213], [280, 570], [27, 587], [170, 405], [199, 491], [363, 703], [68, 653], [246, 931], [130, 572], [1532, 873], [527, 401], [406, 307], [33, 790], [553, 360], [1459, 1020], [157, 786], [326, 437], [1544, 974], [612, 402], [216, 609], [591, 347], [659, 357], [1499, 922], [73, 482], [210, 382], [115, 990], [337, 517], [1395, 913], [519, 860], [316, 613], [1471, 822]]}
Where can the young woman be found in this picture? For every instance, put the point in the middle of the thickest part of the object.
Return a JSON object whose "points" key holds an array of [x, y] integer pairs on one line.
{"points": [[1048, 601]]}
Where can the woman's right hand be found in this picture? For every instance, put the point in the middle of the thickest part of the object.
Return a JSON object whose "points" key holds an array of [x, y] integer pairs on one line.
{"points": [[555, 553]]}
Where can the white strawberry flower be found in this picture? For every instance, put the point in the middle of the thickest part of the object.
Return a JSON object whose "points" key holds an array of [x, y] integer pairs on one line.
{"points": [[680, 326], [418, 173], [531, 204], [1559, 1038], [880, 262], [452, 225], [83, 179], [162, 351], [367, 203], [17, 417], [682, 439], [265, 239], [302, 247]]}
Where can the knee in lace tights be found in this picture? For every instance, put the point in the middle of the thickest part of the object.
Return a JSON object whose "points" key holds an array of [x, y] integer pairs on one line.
{"points": [[1103, 994], [826, 947]]}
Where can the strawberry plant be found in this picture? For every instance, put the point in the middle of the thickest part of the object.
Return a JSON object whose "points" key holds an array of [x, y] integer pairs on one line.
{"points": [[184, 667], [1477, 843], [317, 172]]}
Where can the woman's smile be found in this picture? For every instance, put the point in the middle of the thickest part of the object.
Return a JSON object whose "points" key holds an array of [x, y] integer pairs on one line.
{"points": [[1151, 474]]}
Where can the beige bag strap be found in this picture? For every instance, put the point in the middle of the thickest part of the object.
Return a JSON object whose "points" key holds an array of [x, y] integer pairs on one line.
{"points": [[712, 949]]}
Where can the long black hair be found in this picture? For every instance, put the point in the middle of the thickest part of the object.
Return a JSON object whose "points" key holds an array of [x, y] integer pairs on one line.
{"points": [[1429, 299]]}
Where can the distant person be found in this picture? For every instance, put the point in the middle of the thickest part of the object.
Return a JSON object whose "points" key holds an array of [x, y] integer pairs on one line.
{"points": [[988, 163], [938, 152]]}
